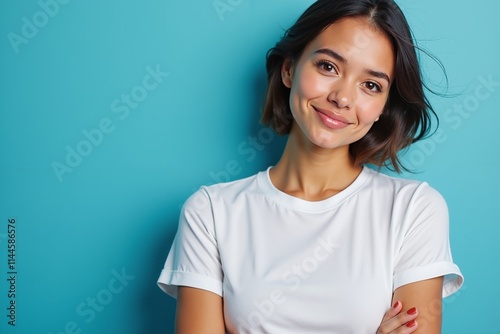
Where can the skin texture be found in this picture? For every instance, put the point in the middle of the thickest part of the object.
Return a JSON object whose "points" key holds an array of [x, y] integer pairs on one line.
{"points": [[198, 311], [426, 301], [338, 89], [316, 163], [345, 88]]}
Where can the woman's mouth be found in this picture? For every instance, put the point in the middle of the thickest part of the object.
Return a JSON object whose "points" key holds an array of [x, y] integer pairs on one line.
{"points": [[332, 120]]}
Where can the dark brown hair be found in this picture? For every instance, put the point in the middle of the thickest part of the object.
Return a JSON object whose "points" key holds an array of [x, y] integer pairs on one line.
{"points": [[407, 114]]}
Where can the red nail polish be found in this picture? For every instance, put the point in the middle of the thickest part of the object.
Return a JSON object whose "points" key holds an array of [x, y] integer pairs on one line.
{"points": [[412, 311], [396, 304], [411, 323]]}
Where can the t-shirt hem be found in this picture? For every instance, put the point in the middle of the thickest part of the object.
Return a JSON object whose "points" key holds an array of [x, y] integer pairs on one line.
{"points": [[170, 280], [453, 278]]}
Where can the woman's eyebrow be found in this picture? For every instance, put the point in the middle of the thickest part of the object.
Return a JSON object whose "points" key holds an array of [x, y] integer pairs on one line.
{"points": [[335, 55], [378, 74]]}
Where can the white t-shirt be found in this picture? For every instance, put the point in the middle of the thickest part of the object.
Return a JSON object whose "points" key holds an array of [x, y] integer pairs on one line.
{"points": [[287, 265]]}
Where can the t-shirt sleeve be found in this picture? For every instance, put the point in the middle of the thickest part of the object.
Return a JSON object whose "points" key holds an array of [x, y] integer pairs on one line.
{"points": [[424, 252], [194, 259]]}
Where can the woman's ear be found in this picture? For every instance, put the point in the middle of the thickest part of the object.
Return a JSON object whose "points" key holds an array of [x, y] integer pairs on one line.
{"points": [[287, 73]]}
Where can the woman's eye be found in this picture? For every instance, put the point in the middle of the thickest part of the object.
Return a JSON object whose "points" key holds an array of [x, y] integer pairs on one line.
{"points": [[326, 66], [372, 86]]}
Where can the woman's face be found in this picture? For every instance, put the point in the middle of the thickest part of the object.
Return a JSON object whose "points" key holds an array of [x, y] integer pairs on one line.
{"points": [[340, 84]]}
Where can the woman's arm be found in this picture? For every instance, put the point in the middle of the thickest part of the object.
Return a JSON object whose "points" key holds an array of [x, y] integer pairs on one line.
{"points": [[198, 311], [417, 309], [426, 297]]}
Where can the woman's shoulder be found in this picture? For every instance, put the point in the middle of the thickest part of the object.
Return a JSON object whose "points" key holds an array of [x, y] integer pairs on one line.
{"points": [[225, 190], [233, 187], [403, 187]]}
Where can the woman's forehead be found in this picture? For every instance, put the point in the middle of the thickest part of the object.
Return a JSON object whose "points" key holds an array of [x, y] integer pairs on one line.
{"points": [[355, 40]]}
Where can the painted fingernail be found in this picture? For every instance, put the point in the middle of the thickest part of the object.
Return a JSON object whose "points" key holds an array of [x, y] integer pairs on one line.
{"points": [[411, 323], [412, 311], [396, 304]]}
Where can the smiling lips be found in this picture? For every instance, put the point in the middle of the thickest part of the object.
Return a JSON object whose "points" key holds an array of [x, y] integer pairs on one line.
{"points": [[331, 120]]}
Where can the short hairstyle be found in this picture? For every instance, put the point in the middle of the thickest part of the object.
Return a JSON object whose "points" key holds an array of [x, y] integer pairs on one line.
{"points": [[407, 114]]}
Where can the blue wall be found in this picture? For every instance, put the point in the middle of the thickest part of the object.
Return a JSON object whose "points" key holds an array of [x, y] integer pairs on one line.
{"points": [[112, 113]]}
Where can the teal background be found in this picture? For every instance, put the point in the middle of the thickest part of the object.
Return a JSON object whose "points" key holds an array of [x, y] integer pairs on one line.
{"points": [[116, 212]]}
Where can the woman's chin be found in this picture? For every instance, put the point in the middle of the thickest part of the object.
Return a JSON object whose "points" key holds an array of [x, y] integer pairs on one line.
{"points": [[327, 143]]}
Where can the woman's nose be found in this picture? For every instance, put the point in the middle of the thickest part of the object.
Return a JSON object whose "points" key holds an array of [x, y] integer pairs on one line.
{"points": [[342, 94]]}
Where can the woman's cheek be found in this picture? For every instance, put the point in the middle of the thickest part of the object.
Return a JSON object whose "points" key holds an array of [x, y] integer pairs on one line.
{"points": [[370, 112], [312, 85]]}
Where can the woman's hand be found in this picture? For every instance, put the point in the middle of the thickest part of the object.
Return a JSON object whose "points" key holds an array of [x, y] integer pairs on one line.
{"points": [[397, 322]]}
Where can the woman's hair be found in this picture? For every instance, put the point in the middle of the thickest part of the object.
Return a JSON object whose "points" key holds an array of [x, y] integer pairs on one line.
{"points": [[407, 114]]}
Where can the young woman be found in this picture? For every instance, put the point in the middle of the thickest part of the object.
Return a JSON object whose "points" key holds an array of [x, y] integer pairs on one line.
{"points": [[320, 243]]}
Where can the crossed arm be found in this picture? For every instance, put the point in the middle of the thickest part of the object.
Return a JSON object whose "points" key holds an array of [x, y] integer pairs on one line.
{"points": [[420, 301], [200, 311]]}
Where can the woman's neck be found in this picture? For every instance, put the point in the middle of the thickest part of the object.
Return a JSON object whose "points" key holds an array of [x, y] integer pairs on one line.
{"points": [[310, 172]]}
